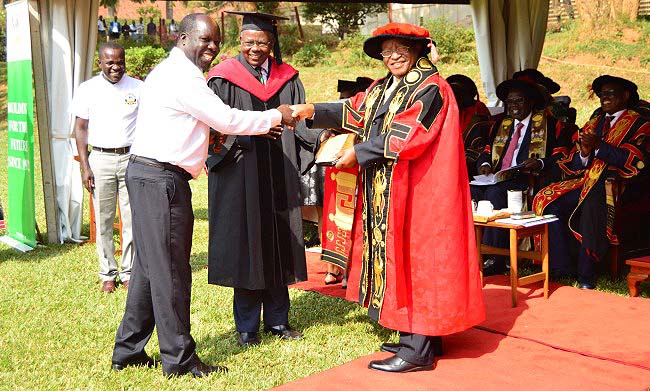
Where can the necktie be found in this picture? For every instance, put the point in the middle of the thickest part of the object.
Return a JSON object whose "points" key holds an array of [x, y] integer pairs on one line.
{"points": [[260, 76], [607, 124], [510, 152]]}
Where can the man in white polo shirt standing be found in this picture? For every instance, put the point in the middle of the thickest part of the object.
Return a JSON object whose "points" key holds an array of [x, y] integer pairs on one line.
{"points": [[106, 108]]}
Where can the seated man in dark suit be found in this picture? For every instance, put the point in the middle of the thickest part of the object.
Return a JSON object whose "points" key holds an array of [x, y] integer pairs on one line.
{"points": [[615, 139], [526, 137]]}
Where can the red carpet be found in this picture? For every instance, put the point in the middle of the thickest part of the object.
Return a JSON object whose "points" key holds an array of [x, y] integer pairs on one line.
{"points": [[479, 360], [316, 271], [592, 323], [574, 340]]}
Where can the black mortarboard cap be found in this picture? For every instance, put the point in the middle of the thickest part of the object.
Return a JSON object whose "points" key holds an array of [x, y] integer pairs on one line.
{"points": [[360, 84], [260, 21]]}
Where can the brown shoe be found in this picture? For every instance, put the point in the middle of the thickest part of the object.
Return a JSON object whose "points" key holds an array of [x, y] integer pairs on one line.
{"points": [[108, 286], [125, 285]]}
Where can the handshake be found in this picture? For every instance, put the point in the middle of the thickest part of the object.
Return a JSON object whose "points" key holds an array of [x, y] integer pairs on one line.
{"points": [[290, 116]]}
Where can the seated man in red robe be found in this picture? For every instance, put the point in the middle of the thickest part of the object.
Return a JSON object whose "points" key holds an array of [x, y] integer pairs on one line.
{"points": [[475, 120], [614, 140]]}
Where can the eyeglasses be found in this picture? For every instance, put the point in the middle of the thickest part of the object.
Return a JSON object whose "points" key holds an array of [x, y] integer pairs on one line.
{"points": [[259, 44], [515, 101], [400, 50], [610, 92]]}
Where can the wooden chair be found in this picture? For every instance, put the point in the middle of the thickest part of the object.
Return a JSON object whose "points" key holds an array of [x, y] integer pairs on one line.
{"points": [[639, 271], [631, 220]]}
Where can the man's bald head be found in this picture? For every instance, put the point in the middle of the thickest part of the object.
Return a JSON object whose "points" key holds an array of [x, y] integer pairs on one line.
{"points": [[199, 39]]}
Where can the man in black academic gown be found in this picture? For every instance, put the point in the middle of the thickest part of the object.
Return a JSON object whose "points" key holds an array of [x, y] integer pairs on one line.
{"points": [[256, 240]]}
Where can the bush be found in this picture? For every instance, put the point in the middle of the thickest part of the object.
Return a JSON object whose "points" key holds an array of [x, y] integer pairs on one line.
{"points": [[455, 43], [353, 46], [140, 61], [311, 55], [289, 36]]}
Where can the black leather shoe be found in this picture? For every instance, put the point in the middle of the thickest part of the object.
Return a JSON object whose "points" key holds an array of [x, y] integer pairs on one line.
{"points": [[247, 339], [493, 267], [390, 347], [283, 331], [397, 365], [200, 369], [145, 361]]}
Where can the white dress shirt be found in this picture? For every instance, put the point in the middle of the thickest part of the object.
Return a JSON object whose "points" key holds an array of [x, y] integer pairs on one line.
{"points": [[265, 70], [111, 110], [176, 112], [524, 129], [616, 115]]}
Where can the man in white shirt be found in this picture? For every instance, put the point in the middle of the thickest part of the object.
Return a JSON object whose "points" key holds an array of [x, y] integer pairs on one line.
{"points": [[170, 147], [526, 137], [105, 109], [139, 30], [101, 27]]}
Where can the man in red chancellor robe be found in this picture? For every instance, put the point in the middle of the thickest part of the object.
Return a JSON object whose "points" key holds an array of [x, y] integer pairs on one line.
{"points": [[414, 262]]}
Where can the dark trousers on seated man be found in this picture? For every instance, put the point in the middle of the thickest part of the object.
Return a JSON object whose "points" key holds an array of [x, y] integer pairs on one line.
{"points": [[590, 221], [497, 194], [247, 305]]}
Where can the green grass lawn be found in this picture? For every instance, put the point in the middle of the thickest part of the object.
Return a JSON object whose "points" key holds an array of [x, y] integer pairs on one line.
{"points": [[57, 330]]}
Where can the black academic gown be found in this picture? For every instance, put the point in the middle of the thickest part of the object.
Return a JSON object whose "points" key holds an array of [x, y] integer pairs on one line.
{"points": [[255, 220]]}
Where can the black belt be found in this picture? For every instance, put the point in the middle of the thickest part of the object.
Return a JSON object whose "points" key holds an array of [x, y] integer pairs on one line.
{"points": [[119, 151], [162, 165]]}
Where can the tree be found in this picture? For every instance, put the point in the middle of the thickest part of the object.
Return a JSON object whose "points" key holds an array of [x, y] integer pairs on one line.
{"points": [[342, 18], [597, 12]]}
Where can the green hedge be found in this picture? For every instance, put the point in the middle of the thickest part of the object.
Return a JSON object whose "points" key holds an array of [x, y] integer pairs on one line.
{"points": [[141, 60], [454, 42]]}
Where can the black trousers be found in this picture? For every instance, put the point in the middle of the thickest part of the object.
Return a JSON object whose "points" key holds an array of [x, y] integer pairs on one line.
{"points": [[161, 278], [247, 304], [562, 241], [416, 348]]}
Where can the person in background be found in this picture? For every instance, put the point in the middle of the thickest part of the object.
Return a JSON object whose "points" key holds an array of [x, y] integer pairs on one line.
{"points": [[139, 30], [615, 141], [105, 109], [334, 251], [151, 28], [475, 120], [162, 31], [170, 147], [173, 29], [126, 30], [101, 28], [132, 30], [115, 29], [414, 261], [261, 250]]}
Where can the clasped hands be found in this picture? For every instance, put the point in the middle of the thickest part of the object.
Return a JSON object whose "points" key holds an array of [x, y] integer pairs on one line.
{"points": [[589, 142]]}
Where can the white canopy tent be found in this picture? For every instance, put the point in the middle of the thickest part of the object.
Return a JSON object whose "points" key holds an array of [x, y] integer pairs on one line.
{"points": [[509, 37]]}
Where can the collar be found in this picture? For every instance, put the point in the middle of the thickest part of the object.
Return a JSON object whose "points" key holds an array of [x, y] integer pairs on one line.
{"points": [[616, 116], [265, 67], [524, 121]]}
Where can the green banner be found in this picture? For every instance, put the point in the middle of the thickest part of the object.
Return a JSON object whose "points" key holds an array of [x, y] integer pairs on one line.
{"points": [[21, 219]]}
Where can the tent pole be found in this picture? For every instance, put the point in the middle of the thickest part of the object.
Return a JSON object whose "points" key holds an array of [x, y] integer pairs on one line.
{"points": [[43, 118]]}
